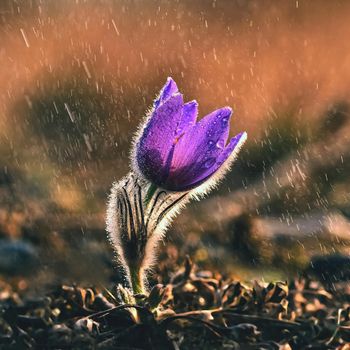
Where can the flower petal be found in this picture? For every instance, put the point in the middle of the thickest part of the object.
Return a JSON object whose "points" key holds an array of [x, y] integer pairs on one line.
{"points": [[193, 175], [157, 139], [204, 140], [189, 116], [233, 146], [169, 89]]}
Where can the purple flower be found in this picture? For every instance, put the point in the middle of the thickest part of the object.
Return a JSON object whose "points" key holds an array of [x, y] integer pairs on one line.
{"points": [[178, 153]]}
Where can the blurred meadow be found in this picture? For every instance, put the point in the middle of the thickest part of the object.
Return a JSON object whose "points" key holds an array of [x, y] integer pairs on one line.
{"points": [[77, 77]]}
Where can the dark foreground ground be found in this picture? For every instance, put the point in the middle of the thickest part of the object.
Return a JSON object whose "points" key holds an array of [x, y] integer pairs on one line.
{"points": [[194, 310]]}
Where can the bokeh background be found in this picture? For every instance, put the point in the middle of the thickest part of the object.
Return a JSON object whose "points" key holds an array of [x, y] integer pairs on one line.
{"points": [[77, 77]]}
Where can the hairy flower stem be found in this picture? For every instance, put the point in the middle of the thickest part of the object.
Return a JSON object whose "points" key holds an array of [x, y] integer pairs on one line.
{"points": [[137, 278], [137, 217], [151, 191], [137, 272]]}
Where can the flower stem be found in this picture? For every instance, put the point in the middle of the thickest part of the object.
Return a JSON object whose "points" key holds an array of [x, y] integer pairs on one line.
{"points": [[151, 191], [136, 275]]}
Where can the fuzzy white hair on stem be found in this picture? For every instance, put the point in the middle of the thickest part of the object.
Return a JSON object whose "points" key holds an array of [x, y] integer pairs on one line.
{"points": [[136, 226]]}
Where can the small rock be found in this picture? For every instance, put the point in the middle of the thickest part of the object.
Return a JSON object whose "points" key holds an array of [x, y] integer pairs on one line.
{"points": [[17, 257]]}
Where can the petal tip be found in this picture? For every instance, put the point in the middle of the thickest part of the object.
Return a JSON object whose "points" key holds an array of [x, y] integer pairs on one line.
{"points": [[227, 110], [192, 103], [240, 139], [171, 85], [169, 89], [170, 79]]}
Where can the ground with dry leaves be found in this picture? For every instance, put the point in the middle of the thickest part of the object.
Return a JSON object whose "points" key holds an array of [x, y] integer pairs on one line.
{"points": [[196, 309]]}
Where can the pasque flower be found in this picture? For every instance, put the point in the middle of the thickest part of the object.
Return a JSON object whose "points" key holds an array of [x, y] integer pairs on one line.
{"points": [[174, 159], [176, 152]]}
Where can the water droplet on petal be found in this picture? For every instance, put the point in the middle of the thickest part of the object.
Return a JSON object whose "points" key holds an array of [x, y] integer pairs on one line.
{"points": [[220, 144], [224, 121], [210, 143], [208, 132], [209, 163]]}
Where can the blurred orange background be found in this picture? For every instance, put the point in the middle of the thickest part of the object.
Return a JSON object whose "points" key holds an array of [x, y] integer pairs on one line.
{"points": [[77, 77]]}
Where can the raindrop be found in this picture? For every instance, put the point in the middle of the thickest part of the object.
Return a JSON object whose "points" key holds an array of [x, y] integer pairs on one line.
{"points": [[209, 163], [224, 121], [220, 143]]}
